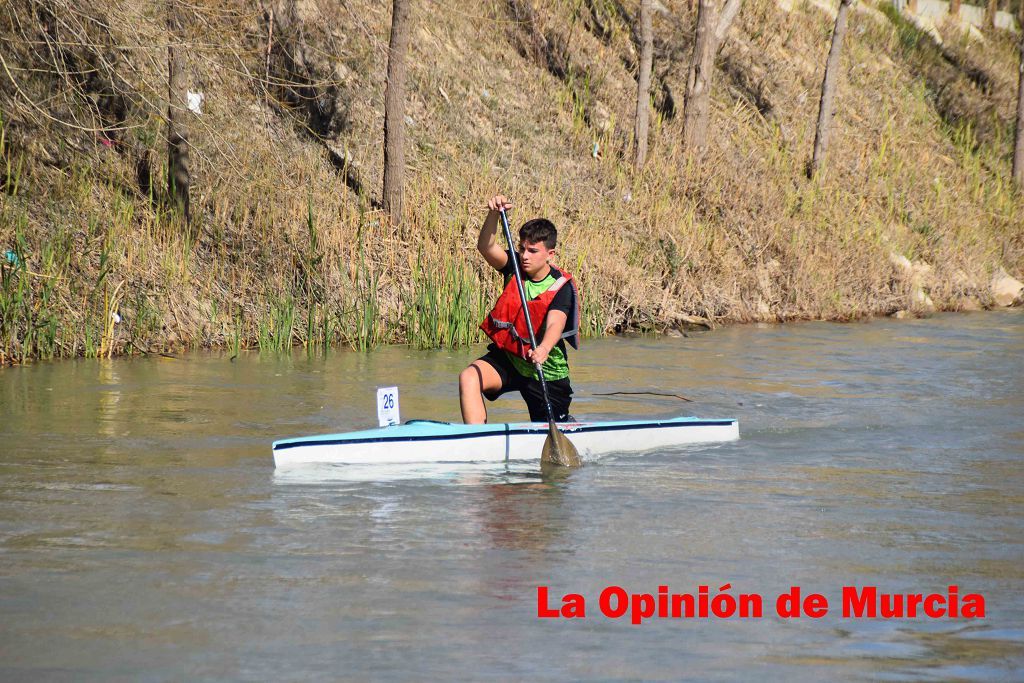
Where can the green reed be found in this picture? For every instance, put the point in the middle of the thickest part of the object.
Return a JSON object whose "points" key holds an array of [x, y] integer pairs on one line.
{"points": [[275, 330], [29, 325], [360, 321], [318, 327], [444, 304], [12, 169]]}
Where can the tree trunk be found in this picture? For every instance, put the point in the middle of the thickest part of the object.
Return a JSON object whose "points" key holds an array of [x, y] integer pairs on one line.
{"points": [[1018, 144], [698, 81], [954, 8], [643, 90], [990, 14], [912, 6], [828, 90], [711, 31], [178, 179], [394, 113]]}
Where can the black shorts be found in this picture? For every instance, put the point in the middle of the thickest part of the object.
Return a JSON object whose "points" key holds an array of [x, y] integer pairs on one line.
{"points": [[559, 390]]}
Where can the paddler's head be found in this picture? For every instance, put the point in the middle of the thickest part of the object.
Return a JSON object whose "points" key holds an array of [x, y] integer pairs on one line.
{"points": [[537, 241]]}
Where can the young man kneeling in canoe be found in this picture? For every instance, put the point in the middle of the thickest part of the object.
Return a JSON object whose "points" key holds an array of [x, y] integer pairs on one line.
{"points": [[553, 300]]}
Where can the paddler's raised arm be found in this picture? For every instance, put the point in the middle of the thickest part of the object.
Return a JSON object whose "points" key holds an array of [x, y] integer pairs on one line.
{"points": [[487, 243]]}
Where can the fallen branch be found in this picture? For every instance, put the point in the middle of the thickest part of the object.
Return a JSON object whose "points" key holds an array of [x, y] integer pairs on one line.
{"points": [[643, 393]]}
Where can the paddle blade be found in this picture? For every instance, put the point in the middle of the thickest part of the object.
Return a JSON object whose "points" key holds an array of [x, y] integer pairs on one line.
{"points": [[552, 474], [558, 450]]}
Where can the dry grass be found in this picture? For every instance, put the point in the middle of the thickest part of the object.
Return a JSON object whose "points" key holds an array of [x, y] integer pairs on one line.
{"points": [[284, 253]]}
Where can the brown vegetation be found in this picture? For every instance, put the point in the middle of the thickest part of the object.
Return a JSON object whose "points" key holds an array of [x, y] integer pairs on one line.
{"points": [[289, 243]]}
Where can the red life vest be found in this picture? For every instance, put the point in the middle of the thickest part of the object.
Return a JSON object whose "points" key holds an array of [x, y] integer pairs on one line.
{"points": [[506, 324]]}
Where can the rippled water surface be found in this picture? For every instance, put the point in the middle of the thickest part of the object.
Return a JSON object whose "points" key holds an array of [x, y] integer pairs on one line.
{"points": [[144, 533]]}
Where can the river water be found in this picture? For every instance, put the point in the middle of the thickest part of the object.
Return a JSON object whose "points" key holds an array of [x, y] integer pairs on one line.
{"points": [[145, 534]]}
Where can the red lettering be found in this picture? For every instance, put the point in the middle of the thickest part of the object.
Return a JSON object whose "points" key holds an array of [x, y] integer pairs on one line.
{"points": [[643, 607], [724, 605], [543, 611], [913, 602], [930, 606], [867, 602], [788, 604], [815, 605], [751, 605], [974, 606], [574, 606], [682, 605], [859, 605], [892, 606], [621, 602]]}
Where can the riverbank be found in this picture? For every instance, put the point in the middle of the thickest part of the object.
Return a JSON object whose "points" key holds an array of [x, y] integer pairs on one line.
{"points": [[914, 212]]}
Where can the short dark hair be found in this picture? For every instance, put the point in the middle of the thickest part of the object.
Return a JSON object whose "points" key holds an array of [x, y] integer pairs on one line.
{"points": [[539, 230]]}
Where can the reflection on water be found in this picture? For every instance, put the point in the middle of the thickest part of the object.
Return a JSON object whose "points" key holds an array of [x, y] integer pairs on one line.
{"points": [[145, 534]]}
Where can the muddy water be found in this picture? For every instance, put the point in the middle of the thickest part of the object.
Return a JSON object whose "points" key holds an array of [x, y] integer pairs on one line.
{"points": [[144, 534]]}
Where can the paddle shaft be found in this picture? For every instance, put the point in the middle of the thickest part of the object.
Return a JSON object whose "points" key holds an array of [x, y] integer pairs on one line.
{"points": [[526, 312]]}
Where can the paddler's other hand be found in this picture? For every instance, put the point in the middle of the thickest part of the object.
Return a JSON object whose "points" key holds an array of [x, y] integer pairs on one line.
{"points": [[499, 202], [539, 354]]}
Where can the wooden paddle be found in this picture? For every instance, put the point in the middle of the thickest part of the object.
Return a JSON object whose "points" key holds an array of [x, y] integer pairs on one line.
{"points": [[558, 450]]}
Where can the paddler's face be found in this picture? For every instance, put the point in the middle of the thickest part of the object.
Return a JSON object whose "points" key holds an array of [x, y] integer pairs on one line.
{"points": [[534, 256]]}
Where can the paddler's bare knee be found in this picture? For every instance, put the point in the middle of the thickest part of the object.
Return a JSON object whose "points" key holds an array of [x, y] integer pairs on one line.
{"points": [[479, 377], [469, 380], [471, 399]]}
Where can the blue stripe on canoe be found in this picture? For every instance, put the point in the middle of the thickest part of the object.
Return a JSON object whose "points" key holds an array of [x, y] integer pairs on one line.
{"points": [[498, 431]]}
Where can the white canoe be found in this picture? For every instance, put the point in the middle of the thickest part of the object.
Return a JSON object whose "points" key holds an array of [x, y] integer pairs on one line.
{"points": [[428, 441]]}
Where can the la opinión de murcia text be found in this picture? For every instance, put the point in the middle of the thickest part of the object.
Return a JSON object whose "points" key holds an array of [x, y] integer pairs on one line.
{"points": [[857, 602]]}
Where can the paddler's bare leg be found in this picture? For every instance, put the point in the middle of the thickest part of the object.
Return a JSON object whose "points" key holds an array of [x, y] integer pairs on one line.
{"points": [[473, 382]]}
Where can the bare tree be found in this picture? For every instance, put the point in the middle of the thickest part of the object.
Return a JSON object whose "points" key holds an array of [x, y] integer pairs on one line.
{"points": [[394, 113], [990, 14], [828, 90], [178, 179], [711, 31], [1018, 144], [954, 8], [643, 83]]}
